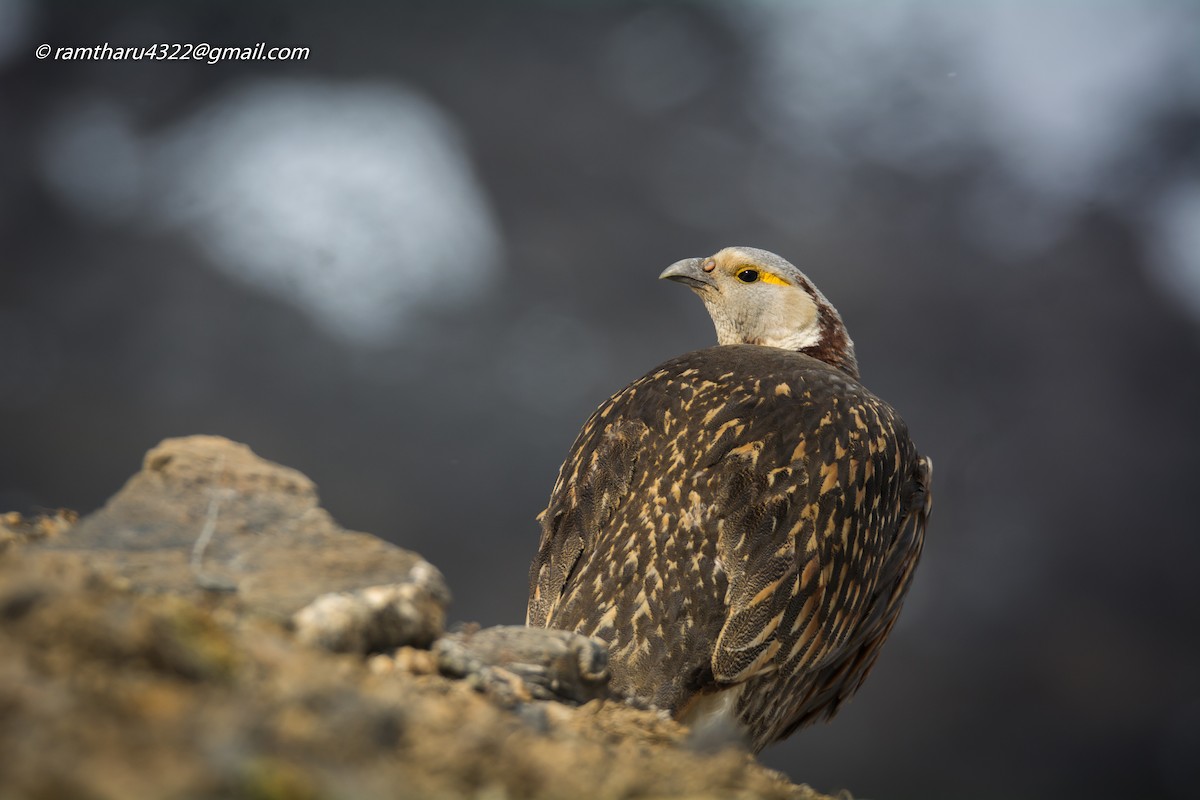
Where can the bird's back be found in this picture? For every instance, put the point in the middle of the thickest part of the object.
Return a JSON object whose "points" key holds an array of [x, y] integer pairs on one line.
{"points": [[741, 518]]}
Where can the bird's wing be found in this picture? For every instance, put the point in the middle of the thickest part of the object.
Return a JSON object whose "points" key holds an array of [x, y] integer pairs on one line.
{"points": [[591, 486], [811, 519]]}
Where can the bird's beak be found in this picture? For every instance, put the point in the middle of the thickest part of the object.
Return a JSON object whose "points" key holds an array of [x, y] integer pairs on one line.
{"points": [[690, 273]]}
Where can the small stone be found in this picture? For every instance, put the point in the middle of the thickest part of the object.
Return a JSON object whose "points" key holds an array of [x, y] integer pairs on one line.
{"points": [[414, 661], [516, 663], [379, 664], [374, 618]]}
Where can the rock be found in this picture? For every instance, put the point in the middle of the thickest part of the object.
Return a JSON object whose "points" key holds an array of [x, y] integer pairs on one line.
{"points": [[517, 664], [207, 514], [161, 647], [377, 617]]}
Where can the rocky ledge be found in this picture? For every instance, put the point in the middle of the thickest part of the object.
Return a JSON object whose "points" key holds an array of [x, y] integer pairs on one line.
{"points": [[212, 632]]}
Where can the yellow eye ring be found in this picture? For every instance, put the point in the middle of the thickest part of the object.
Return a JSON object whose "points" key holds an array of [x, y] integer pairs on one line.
{"points": [[748, 275]]}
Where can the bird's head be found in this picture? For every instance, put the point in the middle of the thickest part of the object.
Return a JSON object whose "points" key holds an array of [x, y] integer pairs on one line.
{"points": [[756, 297]]}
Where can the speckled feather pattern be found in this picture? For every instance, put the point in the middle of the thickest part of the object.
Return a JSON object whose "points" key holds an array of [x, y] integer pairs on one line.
{"points": [[741, 516]]}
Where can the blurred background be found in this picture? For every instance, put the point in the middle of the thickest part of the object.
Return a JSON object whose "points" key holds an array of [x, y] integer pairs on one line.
{"points": [[412, 264]]}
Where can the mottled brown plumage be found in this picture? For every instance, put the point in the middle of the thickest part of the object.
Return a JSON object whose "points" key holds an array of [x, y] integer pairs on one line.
{"points": [[740, 525]]}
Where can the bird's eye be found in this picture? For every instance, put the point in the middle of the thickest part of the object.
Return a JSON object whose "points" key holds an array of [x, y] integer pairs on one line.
{"points": [[748, 275]]}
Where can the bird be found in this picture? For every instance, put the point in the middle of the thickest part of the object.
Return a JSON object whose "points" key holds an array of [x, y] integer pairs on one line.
{"points": [[740, 525]]}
